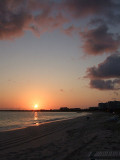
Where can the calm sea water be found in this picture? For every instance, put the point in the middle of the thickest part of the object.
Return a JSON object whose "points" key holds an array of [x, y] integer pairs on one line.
{"points": [[14, 120]]}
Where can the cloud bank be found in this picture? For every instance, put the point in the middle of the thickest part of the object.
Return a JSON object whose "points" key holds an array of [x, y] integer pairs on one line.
{"points": [[40, 16], [13, 18], [105, 84], [35, 15], [80, 8], [109, 69], [99, 41]]}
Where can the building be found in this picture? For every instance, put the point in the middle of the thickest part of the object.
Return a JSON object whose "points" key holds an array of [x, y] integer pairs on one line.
{"points": [[110, 106], [102, 106]]}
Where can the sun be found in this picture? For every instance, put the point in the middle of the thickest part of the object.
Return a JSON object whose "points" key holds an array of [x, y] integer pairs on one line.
{"points": [[36, 106]]}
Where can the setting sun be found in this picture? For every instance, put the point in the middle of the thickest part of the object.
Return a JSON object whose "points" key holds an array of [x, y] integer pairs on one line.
{"points": [[36, 106]]}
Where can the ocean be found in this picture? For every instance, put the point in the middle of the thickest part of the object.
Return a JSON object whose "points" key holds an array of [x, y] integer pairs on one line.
{"points": [[11, 120]]}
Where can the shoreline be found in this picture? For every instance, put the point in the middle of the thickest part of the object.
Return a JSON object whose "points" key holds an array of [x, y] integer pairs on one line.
{"points": [[62, 140], [48, 121]]}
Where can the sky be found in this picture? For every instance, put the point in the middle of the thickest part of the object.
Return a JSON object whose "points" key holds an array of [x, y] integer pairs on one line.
{"points": [[59, 53]]}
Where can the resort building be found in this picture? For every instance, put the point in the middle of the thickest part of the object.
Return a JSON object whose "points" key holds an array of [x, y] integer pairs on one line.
{"points": [[110, 106]]}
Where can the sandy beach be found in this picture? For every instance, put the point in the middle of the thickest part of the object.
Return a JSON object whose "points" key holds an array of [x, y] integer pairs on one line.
{"points": [[63, 140]]}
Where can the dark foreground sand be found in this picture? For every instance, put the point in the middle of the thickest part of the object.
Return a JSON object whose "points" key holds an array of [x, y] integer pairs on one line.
{"points": [[64, 140]]}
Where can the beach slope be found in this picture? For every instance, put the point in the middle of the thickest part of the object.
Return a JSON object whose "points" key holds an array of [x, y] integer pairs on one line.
{"points": [[63, 140]]}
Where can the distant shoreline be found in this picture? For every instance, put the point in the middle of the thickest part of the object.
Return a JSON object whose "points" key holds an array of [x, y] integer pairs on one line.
{"points": [[43, 123], [57, 110], [14, 119]]}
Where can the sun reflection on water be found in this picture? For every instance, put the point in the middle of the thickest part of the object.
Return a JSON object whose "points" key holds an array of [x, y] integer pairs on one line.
{"points": [[36, 118]]}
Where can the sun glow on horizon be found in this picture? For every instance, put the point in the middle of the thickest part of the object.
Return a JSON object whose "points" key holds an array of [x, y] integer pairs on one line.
{"points": [[36, 106]]}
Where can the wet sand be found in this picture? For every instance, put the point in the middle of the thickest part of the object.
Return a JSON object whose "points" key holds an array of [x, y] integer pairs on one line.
{"points": [[63, 140]]}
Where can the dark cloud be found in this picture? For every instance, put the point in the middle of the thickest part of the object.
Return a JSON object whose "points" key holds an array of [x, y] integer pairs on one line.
{"points": [[106, 76], [99, 41], [103, 13], [36, 5], [104, 10], [89, 7], [105, 85], [14, 18], [36, 15], [110, 68]]}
